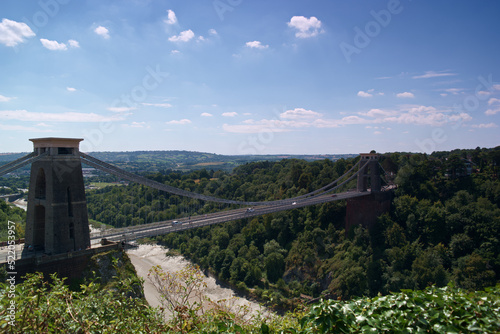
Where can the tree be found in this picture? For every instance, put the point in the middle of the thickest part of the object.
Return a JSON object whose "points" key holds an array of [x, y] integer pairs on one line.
{"points": [[428, 269], [472, 273], [181, 292], [275, 266]]}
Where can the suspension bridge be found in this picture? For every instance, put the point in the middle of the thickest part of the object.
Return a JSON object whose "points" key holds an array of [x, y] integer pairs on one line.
{"points": [[57, 218]]}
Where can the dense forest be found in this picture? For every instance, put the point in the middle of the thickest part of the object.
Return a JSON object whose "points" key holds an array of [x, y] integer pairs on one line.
{"points": [[443, 226], [421, 268]]}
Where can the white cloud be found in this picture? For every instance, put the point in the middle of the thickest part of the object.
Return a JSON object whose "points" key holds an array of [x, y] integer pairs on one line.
{"points": [[484, 126], [454, 91], [5, 98], [137, 125], [13, 33], [184, 36], [120, 109], [102, 31], [181, 122], [171, 18], [206, 114], [74, 44], [306, 27], [496, 108], [299, 113], [230, 114], [213, 32], [376, 113], [160, 105], [491, 112], [483, 93], [175, 52], [53, 45], [349, 120], [300, 118], [493, 100], [377, 133], [424, 115], [432, 74], [24, 115], [251, 126], [405, 95], [256, 45], [23, 128], [71, 89], [364, 94]]}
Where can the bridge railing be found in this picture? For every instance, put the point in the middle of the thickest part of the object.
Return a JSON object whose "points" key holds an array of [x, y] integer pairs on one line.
{"points": [[159, 228]]}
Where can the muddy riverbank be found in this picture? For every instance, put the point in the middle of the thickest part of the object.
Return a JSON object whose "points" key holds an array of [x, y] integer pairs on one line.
{"points": [[146, 256]]}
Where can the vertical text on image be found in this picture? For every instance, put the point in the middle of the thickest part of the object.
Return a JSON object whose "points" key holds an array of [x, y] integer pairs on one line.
{"points": [[11, 273]]}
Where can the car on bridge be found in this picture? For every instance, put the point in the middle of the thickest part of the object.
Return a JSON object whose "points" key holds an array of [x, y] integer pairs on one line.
{"points": [[176, 222]]}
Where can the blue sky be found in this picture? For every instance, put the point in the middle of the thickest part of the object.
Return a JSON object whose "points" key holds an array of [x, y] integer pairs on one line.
{"points": [[251, 77]]}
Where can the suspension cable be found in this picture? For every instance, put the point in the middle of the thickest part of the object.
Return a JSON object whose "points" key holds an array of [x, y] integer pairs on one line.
{"points": [[21, 162], [150, 183]]}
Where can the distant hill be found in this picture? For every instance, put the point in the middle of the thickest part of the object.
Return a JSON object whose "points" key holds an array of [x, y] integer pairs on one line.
{"points": [[188, 160], [185, 160]]}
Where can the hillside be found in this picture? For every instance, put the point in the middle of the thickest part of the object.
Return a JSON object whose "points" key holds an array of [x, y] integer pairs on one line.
{"points": [[443, 227], [431, 264], [183, 160]]}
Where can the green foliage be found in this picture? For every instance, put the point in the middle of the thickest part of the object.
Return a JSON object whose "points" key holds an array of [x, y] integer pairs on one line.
{"points": [[14, 214], [42, 307], [434, 310], [443, 226]]}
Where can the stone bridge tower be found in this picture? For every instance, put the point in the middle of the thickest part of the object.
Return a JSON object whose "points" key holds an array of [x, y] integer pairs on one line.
{"points": [[366, 209], [57, 219], [370, 176]]}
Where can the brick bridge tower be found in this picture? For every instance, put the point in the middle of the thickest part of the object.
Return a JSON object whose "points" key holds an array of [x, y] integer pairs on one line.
{"points": [[57, 219], [366, 209]]}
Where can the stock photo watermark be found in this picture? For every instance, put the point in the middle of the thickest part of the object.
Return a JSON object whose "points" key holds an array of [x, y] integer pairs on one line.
{"points": [[363, 37], [261, 138], [126, 102], [223, 6], [48, 10], [470, 103], [11, 273]]}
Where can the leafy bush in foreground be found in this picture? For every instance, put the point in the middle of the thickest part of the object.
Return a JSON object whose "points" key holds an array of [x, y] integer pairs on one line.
{"points": [[49, 308], [434, 310]]}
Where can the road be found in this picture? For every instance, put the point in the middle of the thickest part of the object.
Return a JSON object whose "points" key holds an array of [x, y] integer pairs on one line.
{"points": [[164, 227]]}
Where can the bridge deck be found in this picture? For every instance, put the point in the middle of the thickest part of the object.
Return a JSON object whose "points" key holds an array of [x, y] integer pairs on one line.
{"points": [[164, 227]]}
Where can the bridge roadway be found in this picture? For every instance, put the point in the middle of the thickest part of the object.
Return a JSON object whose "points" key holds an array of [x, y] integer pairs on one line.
{"points": [[10, 195], [164, 227]]}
